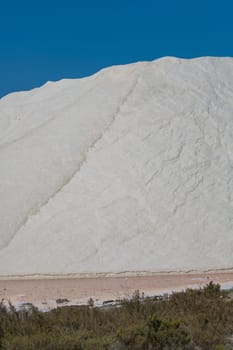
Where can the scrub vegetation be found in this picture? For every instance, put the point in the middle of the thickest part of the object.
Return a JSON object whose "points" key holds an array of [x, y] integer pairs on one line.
{"points": [[195, 319]]}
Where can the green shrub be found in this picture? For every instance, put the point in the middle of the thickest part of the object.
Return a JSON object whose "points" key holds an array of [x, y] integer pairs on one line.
{"points": [[196, 319]]}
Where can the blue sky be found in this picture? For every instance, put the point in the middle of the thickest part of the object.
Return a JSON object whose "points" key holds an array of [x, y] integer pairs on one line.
{"points": [[49, 40]]}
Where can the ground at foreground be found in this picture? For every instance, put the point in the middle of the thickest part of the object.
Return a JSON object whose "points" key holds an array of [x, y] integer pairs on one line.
{"points": [[195, 319], [44, 291]]}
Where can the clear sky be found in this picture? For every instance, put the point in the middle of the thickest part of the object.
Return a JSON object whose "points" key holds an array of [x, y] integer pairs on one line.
{"points": [[53, 39]]}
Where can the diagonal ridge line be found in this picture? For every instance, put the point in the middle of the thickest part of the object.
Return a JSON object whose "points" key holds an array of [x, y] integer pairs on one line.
{"points": [[35, 211]]}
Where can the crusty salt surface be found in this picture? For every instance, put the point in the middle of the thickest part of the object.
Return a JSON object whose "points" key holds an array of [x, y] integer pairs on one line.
{"points": [[130, 169]]}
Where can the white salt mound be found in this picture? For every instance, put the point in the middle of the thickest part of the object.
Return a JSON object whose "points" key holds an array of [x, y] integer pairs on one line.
{"points": [[130, 169]]}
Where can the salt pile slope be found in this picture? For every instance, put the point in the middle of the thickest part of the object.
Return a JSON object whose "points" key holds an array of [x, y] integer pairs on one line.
{"points": [[130, 169]]}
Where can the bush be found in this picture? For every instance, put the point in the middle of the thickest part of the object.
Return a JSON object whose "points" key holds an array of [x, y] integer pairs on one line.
{"points": [[196, 319]]}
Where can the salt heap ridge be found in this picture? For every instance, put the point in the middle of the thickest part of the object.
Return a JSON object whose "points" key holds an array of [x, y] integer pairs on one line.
{"points": [[130, 169]]}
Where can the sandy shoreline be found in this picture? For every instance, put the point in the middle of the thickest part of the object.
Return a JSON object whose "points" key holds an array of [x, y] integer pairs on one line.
{"points": [[44, 291], [116, 275]]}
